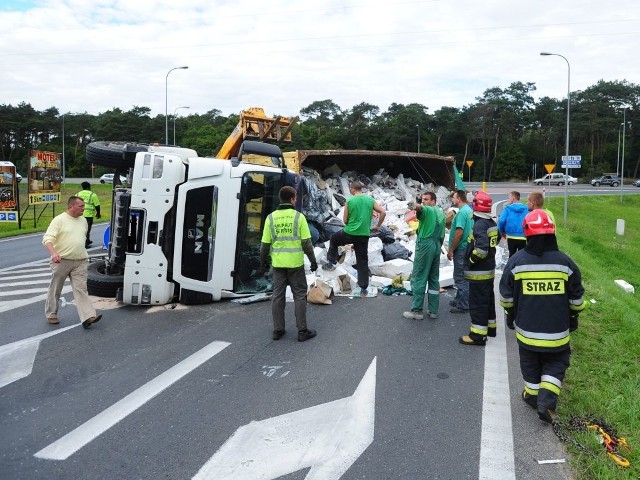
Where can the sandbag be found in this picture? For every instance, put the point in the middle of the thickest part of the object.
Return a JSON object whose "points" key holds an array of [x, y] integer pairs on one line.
{"points": [[395, 250]]}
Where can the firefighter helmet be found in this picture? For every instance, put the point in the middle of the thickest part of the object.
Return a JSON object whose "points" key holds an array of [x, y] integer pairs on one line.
{"points": [[482, 202], [538, 222]]}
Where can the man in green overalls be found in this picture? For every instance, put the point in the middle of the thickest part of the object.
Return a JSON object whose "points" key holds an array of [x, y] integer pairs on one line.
{"points": [[426, 261]]}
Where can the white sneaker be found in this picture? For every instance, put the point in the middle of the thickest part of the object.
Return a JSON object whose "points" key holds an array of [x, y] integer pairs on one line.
{"points": [[433, 316], [413, 315]]}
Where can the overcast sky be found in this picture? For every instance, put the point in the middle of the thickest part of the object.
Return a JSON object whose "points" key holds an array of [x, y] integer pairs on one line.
{"points": [[92, 56]]}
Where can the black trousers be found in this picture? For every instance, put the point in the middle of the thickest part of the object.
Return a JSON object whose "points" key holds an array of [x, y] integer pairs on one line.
{"points": [[360, 247], [482, 308], [513, 244], [543, 373], [89, 225]]}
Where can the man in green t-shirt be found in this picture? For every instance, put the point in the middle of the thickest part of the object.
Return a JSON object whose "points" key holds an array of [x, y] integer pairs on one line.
{"points": [[426, 261], [461, 228], [358, 212]]}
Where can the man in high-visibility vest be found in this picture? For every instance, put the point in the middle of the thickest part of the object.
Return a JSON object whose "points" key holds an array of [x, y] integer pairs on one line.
{"points": [[91, 208], [286, 235]]}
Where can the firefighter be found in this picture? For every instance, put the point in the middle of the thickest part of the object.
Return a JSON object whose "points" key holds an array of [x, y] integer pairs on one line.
{"points": [[480, 272], [541, 292]]}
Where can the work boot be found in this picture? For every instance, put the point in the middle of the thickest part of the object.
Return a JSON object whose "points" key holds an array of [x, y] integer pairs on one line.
{"points": [[529, 399], [546, 414], [304, 335], [492, 332], [459, 310], [467, 340], [278, 334], [329, 266], [413, 315]]}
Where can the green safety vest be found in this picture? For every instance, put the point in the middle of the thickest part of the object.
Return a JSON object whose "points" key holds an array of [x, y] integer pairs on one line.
{"points": [[89, 206], [284, 230]]}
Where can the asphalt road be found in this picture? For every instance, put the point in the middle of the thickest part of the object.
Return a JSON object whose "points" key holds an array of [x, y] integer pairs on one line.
{"points": [[88, 391]]}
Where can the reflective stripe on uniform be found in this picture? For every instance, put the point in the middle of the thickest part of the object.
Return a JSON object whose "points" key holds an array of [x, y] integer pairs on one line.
{"points": [[551, 383], [479, 274], [546, 340], [479, 329], [531, 388]]}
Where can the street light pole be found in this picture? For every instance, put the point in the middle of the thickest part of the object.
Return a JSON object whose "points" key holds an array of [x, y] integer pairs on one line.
{"points": [[174, 123], [566, 165], [618, 162], [624, 127], [418, 137], [166, 103]]}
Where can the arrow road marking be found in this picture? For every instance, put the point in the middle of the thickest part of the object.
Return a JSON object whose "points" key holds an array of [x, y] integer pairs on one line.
{"points": [[329, 438], [16, 359], [76, 439]]}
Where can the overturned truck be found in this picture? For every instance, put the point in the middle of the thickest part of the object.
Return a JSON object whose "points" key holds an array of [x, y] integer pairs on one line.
{"points": [[188, 228]]}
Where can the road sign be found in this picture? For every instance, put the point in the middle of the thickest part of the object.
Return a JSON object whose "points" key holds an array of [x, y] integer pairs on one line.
{"points": [[571, 161]]}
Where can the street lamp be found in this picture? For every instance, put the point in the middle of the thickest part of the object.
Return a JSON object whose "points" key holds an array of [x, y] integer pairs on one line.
{"points": [[566, 165], [624, 127], [618, 162], [418, 137], [174, 123], [166, 103]]}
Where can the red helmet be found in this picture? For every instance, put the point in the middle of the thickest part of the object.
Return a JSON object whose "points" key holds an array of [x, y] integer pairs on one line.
{"points": [[538, 222], [482, 202]]}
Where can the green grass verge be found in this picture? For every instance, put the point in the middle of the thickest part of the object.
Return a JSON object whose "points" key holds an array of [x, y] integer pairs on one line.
{"points": [[604, 377], [44, 213]]}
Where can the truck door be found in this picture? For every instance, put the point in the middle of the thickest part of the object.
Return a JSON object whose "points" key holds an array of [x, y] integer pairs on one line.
{"points": [[258, 198]]}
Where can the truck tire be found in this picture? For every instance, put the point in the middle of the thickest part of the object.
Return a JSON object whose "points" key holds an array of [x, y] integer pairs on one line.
{"points": [[596, 184], [117, 155], [99, 283], [615, 184], [191, 297]]}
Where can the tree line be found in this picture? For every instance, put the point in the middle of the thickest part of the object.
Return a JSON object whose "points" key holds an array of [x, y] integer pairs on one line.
{"points": [[506, 134]]}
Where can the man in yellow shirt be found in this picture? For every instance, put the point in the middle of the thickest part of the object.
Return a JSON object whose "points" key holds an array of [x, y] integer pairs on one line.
{"points": [[64, 240]]}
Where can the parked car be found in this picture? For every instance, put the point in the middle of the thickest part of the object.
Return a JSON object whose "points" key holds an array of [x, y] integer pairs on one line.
{"points": [[108, 178], [555, 179], [607, 179], [18, 177], [636, 182]]}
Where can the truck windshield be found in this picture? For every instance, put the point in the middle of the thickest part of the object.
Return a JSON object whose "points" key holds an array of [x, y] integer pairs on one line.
{"points": [[258, 198]]}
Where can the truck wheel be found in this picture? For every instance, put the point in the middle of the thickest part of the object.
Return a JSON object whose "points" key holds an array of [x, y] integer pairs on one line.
{"points": [[190, 297], [597, 184], [615, 184], [118, 155], [99, 283]]}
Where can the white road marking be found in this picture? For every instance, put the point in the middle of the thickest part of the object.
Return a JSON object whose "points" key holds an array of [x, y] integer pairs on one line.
{"points": [[24, 291], [5, 306], [16, 359], [76, 439], [31, 274], [496, 440], [329, 438]]}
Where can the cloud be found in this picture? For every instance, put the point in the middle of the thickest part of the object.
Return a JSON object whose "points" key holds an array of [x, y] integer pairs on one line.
{"points": [[80, 55]]}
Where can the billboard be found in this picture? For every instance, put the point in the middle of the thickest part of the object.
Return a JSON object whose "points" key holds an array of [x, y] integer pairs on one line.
{"points": [[8, 192], [44, 177]]}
